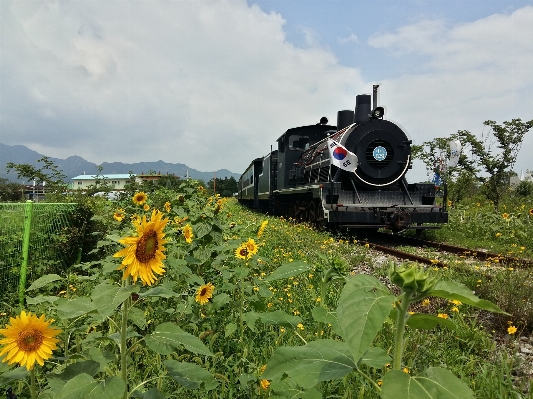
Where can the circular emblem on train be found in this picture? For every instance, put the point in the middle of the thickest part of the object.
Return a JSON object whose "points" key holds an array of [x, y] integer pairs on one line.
{"points": [[339, 153], [379, 153]]}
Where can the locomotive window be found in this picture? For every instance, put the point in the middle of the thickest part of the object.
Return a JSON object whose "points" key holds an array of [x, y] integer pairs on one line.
{"points": [[297, 142]]}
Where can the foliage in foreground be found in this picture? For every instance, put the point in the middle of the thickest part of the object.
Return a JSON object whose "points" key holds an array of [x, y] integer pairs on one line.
{"points": [[237, 293]]}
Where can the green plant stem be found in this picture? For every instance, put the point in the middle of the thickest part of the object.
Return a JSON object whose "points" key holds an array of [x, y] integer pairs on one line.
{"points": [[402, 307], [33, 389], [241, 321], [378, 388], [123, 339]]}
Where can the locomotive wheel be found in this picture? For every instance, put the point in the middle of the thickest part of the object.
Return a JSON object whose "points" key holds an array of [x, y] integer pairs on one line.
{"points": [[311, 212], [300, 211]]}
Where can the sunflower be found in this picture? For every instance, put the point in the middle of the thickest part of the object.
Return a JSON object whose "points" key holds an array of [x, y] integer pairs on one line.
{"points": [[28, 339], [119, 214], [252, 247], [505, 215], [144, 253], [531, 212], [204, 293], [187, 233], [139, 198], [146, 207], [242, 252]]}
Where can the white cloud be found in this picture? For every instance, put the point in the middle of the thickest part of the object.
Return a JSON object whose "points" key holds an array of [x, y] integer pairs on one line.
{"points": [[350, 39], [210, 84], [469, 73]]}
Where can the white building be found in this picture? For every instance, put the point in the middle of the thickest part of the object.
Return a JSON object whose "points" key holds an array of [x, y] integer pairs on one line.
{"points": [[116, 182]]}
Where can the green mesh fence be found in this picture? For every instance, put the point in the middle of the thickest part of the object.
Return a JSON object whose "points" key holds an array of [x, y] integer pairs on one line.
{"points": [[34, 240]]}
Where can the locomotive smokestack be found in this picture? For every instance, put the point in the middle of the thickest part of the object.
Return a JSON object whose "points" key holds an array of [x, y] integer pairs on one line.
{"points": [[344, 118], [375, 96], [362, 108]]}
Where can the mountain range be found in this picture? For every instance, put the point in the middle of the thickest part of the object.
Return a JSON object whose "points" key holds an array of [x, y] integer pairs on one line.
{"points": [[75, 165]]}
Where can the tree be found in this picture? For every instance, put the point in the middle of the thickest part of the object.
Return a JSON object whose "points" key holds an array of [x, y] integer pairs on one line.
{"points": [[48, 173], [225, 187], [460, 179], [10, 191], [495, 153]]}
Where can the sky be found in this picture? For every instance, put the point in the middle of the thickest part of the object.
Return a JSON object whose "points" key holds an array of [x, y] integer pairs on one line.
{"points": [[213, 84]]}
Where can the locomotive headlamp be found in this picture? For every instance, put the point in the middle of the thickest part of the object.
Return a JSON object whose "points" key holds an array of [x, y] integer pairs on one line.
{"points": [[378, 112]]}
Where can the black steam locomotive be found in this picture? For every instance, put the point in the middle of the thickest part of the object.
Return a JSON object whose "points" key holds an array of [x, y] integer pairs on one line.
{"points": [[303, 179]]}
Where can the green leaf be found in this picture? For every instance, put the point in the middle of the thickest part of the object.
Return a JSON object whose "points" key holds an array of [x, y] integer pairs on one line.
{"points": [[20, 373], [289, 389], [113, 387], [375, 357], [150, 394], [230, 329], [280, 318], [136, 316], [80, 387], [364, 305], [190, 375], [201, 229], [436, 383], [220, 300], [168, 336], [424, 321], [159, 291], [307, 365], [44, 280], [108, 298], [40, 299], [68, 309], [250, 318], [452, 290], [287, 270], [327, 316]]}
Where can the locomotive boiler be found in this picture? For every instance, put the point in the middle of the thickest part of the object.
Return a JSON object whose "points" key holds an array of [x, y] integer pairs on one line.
{"points": [[306, 180]]}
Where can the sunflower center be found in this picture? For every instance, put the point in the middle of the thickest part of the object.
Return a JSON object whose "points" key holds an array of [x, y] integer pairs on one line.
{"points": [[203, 291], [243, 252], [147, 246], [30, 340]]}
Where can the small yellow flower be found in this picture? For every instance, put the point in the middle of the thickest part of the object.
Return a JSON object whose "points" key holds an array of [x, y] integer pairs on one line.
{"points": [[318, 299], [442, 315], [262, 229], [187, 233], [168, 207], [282, 329], [505, 215], [204, 293], [455, 309], [406, 370], [146, 207], [498, 234], [300, 326], [119, 215], [456, 302], [511, 330], [425, 302], [139, 198], [380, 382], [265, 384]]}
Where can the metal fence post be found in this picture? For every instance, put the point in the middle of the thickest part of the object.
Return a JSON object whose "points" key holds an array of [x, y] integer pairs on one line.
{"points": [[28, 210]]}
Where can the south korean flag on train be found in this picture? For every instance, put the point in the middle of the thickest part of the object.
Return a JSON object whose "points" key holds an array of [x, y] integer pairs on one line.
{"points": [[341, 157]]}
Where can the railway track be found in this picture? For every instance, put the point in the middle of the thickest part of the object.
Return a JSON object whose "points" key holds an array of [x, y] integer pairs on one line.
{"points": [[386, 243]]}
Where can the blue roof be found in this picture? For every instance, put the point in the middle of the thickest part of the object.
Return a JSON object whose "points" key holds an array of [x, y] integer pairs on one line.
{"points": [[92, 177]]}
